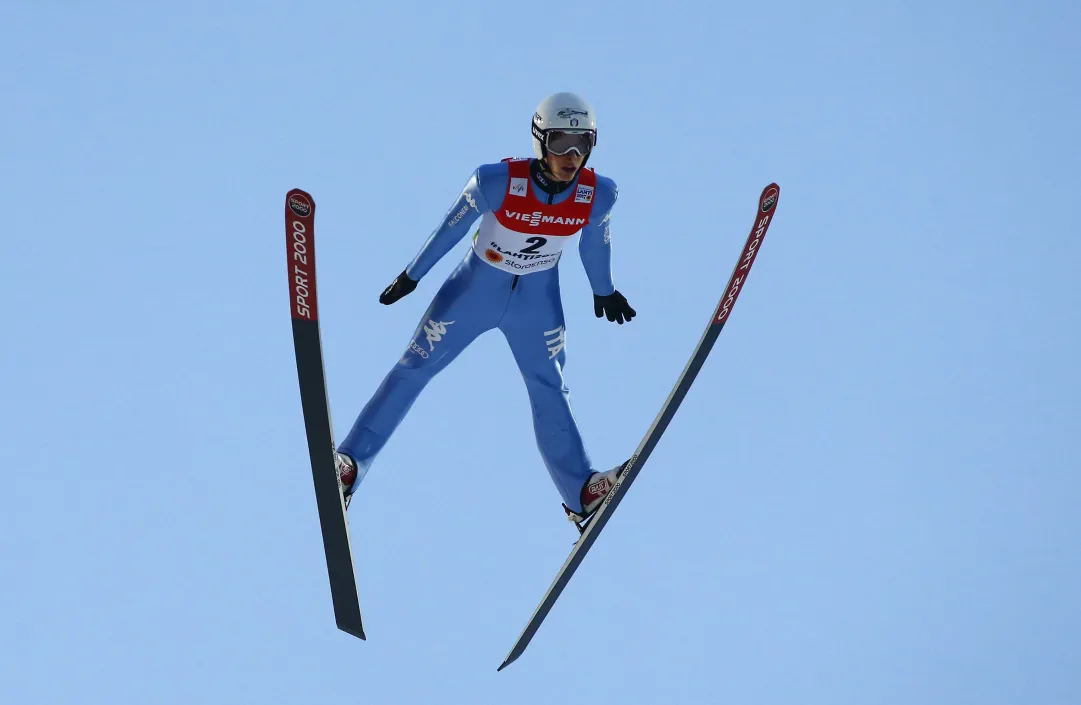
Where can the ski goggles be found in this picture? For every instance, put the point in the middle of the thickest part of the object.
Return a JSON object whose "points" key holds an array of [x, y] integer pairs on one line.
{"points": [[562, 142]]}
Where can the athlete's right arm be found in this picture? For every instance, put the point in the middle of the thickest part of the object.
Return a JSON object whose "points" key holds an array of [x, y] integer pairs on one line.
{"points": [[481, 193]]}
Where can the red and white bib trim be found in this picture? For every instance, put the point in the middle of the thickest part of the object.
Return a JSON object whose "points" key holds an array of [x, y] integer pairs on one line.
{"points": [[527, 235]]}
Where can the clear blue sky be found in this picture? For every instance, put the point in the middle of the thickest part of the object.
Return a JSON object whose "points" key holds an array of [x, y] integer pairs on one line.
{"points": [[870, 495]]}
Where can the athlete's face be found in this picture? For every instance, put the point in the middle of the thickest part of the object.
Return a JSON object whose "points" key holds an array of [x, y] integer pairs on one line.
{"points": [[564, 166]]}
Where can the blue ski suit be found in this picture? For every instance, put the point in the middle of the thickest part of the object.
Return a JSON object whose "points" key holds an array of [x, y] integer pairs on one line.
{"points": [[502, 284]]}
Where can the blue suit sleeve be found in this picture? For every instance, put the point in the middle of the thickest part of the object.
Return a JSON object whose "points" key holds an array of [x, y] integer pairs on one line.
{"points": [[456, 223], [595, 245]]}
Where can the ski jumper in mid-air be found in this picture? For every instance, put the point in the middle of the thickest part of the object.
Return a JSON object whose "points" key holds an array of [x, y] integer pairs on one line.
{"points": [[509, 279]]}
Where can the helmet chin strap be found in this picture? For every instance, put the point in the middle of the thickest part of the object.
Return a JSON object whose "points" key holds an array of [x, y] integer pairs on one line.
{"points": [[548, 171], [546, 179], [551, 174]]}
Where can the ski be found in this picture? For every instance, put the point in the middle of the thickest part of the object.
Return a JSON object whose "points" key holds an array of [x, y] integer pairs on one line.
{"points": [[304, 305], [767, 205]]}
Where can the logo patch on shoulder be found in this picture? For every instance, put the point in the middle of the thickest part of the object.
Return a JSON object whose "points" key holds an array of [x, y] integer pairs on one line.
{"points": [[518, 186], [584, 194]]}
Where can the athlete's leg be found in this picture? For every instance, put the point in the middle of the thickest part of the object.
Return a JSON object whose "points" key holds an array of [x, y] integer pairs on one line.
{"points": [[535, 330], [468, 304]]}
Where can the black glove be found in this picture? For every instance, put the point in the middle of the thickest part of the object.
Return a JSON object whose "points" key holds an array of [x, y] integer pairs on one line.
{"points": [[399, 287], [614, 306]]}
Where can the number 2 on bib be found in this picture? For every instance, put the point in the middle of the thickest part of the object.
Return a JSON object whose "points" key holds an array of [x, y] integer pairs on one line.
{"points": [[538, 242]]}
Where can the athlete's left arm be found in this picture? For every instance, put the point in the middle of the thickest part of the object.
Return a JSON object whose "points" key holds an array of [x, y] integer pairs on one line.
{"points": [[595, 245]]}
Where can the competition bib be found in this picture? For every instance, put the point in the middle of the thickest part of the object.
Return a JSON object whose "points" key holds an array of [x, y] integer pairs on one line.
{"points": [[526, 235]]}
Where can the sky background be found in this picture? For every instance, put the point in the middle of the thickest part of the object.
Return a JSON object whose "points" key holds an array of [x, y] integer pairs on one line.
{"points": [[870, 495]]}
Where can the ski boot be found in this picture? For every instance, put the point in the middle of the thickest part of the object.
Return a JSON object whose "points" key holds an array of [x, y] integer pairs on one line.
{"points": [[347, 475], [594, 491]]}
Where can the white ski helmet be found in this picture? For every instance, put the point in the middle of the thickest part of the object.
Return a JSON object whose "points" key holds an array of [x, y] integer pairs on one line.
{"points": [[562, 123]]}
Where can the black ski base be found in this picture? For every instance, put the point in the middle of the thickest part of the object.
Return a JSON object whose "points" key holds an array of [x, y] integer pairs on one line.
{"points": [[333, 523]]}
